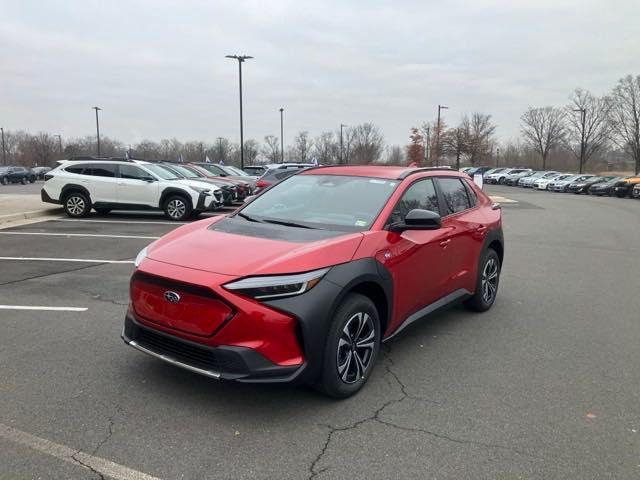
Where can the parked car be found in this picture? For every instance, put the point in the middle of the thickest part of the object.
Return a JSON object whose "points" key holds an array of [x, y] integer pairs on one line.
{"points": [[106, 185], [527, 182], [604, 188], [478, 171], [501, 176], [277, 174], [635, 193], [12, 174], [584, 185], [229, 190], [491, 172], [313, 274], [513, 179], [543, 183], [40, 172], [237, 171], [624, 188], [560, 185], [255, 170], [225, 172]]}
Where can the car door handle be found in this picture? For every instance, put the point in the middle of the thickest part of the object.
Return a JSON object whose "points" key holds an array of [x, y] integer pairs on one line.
{"points": [[444, 243]]}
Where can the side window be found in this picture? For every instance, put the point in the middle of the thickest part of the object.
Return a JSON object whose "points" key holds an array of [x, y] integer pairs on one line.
{"points": [[285, 174], [103, 170], [473, 198], [455, 195], [132, 172], [77, 169], [421, 194]]}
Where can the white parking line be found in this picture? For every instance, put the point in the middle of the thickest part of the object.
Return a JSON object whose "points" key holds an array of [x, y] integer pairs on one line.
{"points": [[78, 235], [73, 456], [48, 309], [48, 259], [117, 221]]}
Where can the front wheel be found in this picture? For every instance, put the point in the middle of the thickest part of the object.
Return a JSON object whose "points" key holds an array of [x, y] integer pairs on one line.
{"points": [[4, 181], [352, 347], [77, 204], [501, 181], [23, 180], [487, 283], [177, 208]]}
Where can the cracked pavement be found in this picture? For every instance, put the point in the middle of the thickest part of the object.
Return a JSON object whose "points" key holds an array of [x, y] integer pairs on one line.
{"points": [[545, 385]]}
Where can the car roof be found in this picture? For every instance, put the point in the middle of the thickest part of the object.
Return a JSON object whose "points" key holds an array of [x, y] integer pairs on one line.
{"points": [[379, 171]]}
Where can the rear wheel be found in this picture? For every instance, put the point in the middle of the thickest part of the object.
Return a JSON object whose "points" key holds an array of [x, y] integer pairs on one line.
{"points": [[487, 283], [352, 347], [501, 180], [4, 181], [77, 204], [23, 180], [177, 208]]}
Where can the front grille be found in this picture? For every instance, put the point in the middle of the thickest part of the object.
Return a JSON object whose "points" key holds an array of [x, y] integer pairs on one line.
{"points": [[200, 357]]}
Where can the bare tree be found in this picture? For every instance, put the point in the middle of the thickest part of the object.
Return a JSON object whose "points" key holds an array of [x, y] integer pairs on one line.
{"points": [[43, 146], [454, 143], [221, 150], [346, 149], [478, 133], [626, 116], [271, 148], [597, 124], [368, 144], [394, 155], [326, 149], [251, 150], [543, 129], [302, 145]]}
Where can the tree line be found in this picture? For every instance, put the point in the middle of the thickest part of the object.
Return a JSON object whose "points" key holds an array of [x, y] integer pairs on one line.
{"points": [[601, 132]]}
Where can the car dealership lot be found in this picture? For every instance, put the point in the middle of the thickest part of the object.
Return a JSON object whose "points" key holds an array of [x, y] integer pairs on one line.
{"points": [[544, 385]]}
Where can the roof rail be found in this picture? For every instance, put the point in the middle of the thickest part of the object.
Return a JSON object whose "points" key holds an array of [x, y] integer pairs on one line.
{"points": [[89, 158], [411, 171]]}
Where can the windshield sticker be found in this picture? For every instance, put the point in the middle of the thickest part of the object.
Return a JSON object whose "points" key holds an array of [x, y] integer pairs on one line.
{"points": [[361, 223]]}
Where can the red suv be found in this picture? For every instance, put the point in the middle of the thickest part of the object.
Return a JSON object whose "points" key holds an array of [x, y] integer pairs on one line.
{"points": [[303, 283]]}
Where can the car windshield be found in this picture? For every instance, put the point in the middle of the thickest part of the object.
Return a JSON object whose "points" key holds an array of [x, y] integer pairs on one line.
{"points": [[185, 172], [236, 171], [162, 172], [331, 202]]}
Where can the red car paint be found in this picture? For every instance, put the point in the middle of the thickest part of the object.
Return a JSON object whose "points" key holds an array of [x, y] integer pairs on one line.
{"points": [[205, 259]]}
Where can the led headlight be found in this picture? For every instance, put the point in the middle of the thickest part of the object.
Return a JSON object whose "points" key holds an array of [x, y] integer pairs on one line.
{"points": [[262, 288], [141, 256]]}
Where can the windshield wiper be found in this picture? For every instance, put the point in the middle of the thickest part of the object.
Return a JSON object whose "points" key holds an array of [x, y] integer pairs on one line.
{"points": [[247, 217], [288, 224]]}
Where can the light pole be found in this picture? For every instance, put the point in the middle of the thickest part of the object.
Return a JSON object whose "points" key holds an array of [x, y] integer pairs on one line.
{"points": [[220, 149], [97, 109], [440, 107], [4, 152], [342, 143], [427, 144], [583, 114], [497, 156], [281, 135], [59, 143], [241, 59]]}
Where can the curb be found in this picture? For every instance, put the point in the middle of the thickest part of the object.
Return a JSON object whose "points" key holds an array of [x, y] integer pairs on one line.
{"points": [[15, 217]]}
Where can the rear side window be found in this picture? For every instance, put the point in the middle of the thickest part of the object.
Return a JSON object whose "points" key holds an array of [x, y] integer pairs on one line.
{"points": [[103, 170], [77, 169], [421, 194], [285, 174], [455, 195]]}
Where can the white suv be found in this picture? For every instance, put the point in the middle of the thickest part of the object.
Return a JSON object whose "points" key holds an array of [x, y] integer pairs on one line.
{"points": [[105, 185]]}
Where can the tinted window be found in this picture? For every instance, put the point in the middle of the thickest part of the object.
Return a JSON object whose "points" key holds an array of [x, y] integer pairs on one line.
{"points": [[284, 174], [473, 198], [455, 195], [421, 194], [132, 172], [103, 170], [78, 169]]}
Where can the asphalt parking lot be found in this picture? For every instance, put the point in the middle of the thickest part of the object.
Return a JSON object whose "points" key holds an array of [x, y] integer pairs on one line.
{"points": [[544, 385]]}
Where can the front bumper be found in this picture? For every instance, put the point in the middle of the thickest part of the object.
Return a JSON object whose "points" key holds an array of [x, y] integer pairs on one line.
{"points": [[222, 362]]}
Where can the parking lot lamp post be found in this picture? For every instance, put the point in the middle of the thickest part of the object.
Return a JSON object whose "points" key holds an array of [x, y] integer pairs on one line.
{"points": [[498, 157], [97, 109], [440, 107], [281, 135], [59, 143], [241, 59], [342, 125], [4, 152], [583, 114]]}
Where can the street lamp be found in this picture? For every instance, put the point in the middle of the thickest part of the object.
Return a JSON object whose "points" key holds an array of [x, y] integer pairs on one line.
{"points": [[241, 59], [583, 114], [497, 156], [4, 152], [342, 125], [281, 135], [97, 109], [59, 143], [440, 107]]}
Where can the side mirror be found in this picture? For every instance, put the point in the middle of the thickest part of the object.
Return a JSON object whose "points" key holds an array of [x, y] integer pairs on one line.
{"points": [[249, 198], [418, 219]]}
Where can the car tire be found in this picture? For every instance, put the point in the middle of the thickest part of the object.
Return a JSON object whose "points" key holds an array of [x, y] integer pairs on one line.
{"points": [[501, 180], [487, 282], [4, 181], [177, 208], [102, 210], [346, 367], [23, 180], [77, 204]]}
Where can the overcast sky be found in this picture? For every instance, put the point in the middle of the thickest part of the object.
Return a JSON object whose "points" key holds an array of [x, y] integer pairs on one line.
{"points": [[157, 67]]}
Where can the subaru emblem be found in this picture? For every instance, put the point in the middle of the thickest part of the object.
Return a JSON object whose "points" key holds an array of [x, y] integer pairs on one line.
{"points": [[171, 297]]}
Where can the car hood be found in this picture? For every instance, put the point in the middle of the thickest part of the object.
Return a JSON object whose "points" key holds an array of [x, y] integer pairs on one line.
{"points": [[198, 183], [239, 248]]}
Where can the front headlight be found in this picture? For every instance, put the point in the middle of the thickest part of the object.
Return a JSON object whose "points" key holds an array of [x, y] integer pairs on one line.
{"points": [[141, 256], [275, 286]]}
